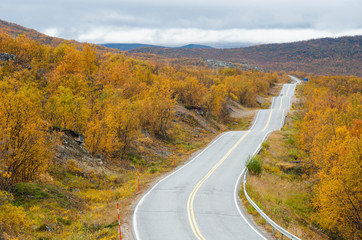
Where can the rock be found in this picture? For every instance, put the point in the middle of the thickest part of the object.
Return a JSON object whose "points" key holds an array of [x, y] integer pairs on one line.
{"points": [[146, 133], [4, 57], [77, 136], [49, 228]]}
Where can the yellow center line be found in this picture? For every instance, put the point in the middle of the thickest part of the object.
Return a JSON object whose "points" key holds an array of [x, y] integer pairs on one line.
{"points": [[287, 90], [267, 123], [190, 201]]}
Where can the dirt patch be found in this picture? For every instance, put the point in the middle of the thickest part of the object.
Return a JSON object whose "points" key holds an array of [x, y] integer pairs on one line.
{"points": [[275, 90], [238, 111]]}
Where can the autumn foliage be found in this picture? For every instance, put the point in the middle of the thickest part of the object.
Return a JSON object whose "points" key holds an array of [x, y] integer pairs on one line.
{"points": [[109, 98], [330, 132]]}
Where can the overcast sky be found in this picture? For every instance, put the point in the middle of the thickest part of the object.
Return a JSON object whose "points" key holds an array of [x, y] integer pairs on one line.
{"points": [[178, 22]]}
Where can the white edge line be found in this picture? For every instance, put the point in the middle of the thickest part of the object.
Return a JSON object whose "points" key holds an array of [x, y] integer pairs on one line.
{"points": [[135, 230], [134, 224], [271, 106], [237, 184], [256, 118], [134, 218], [237, 205]]}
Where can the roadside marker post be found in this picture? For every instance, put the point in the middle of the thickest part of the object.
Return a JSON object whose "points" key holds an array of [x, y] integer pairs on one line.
{"points": [[138, 178], [119, 223]]}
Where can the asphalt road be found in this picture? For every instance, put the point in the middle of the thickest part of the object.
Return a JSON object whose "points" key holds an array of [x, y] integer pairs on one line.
{"points": [[199, 200]]}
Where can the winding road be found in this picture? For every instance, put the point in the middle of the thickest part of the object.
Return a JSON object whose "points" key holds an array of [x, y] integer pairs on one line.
{"points": [[199, 200]]}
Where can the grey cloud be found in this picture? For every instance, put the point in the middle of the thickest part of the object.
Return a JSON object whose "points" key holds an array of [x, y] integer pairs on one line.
{"points": [[74, 18]]}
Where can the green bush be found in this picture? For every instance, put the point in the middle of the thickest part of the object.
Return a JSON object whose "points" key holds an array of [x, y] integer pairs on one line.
{"points": [[291, 140], [254, 165]]}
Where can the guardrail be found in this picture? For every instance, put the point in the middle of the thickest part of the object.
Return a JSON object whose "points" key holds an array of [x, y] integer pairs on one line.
{"points": [[282, 231]]}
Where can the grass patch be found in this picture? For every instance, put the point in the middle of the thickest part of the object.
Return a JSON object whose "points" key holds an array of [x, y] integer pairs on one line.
{"points": [[25, 192], [152, 170], [265, 105], [265, 145]]}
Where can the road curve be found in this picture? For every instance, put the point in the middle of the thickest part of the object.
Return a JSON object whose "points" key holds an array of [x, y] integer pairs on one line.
{"points": [[199, 200]]}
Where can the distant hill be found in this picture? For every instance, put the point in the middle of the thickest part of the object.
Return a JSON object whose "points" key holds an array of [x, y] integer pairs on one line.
{"points": [[14, 30], [192, 46], [126, 46], [131, 46], [329, 56]]}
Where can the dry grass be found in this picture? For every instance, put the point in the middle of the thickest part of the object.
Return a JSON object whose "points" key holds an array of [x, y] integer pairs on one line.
{"points": [[280, 191]]}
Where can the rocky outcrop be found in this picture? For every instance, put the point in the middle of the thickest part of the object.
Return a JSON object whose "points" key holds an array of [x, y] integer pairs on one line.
{"points": [[73, 147], [4, 57]]}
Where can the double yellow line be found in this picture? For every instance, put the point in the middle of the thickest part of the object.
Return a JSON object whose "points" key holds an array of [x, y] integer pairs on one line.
{"points": [[190, 200]]}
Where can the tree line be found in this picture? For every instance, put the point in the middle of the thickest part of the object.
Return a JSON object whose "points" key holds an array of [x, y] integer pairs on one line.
{"points": [[329, 131]]}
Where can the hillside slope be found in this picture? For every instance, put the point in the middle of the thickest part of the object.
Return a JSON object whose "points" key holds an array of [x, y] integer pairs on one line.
{"points": [[15, 30], [330, 56]]}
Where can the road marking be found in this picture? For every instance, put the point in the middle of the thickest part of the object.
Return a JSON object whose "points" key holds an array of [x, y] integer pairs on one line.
{"points": [[190, 201], [281, 98], [287, 90], [267, 123], [236, 197], [135, 225]]}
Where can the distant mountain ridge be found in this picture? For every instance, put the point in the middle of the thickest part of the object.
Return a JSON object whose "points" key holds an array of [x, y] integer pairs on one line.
{"points": [[328, 56], [192, 46], [131, 46], [126, 46]]}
